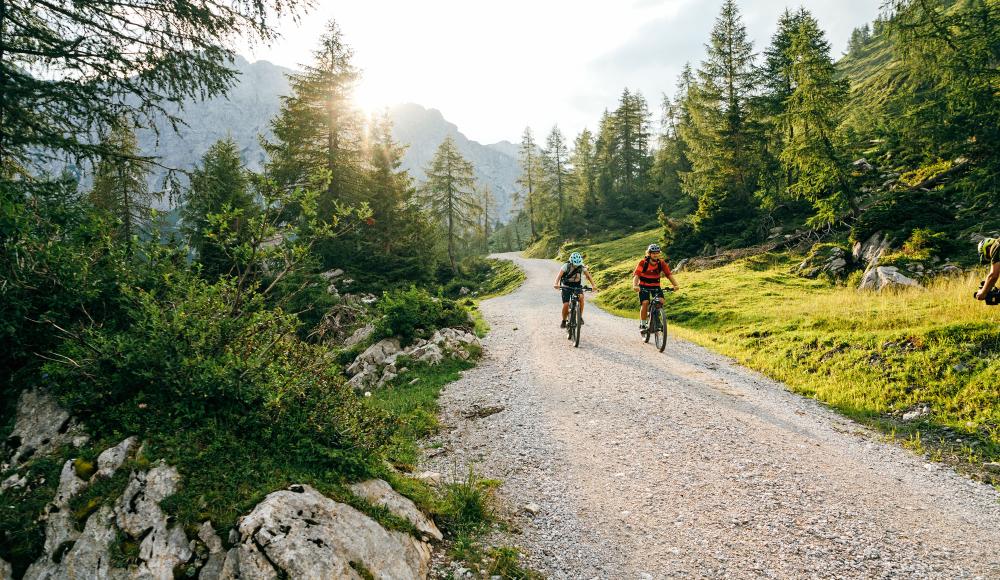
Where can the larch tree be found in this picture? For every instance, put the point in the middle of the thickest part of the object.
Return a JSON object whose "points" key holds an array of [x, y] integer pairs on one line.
{"points": [[66, 67], [554, 167], [449, 194], [528, 158]]}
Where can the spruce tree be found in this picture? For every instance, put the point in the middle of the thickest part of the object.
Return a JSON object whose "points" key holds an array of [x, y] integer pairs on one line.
{"points": [[219, 187], [120, 189], [632, 160], [318, 132], [720, 135], [449, 195], [583, 176]]}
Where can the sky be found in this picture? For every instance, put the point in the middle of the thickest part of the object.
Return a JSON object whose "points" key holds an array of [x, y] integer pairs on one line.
{"points": [[493, 68]]}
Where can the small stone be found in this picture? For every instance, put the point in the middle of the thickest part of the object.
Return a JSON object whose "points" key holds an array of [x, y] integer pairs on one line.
{"points": [[532, 508]]}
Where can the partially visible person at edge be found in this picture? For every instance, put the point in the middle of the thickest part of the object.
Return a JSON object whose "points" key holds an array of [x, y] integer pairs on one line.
{"points": [[989, 251], [569, 278], [646, 280]]}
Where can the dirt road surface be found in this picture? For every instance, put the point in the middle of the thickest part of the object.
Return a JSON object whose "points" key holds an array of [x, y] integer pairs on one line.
{"points": [[684, 464]]}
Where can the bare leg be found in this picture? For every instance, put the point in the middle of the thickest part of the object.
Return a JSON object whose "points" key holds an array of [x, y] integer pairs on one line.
{"points": [[644, 310], [565, 310], [581, 305]]}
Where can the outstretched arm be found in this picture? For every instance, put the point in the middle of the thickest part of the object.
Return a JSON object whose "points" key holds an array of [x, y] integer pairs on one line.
{"points": [[592, 283], [556, 284], [991, 282], [670, 277]]}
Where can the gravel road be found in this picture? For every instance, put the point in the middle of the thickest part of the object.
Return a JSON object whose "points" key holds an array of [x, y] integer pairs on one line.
{"points": [[684, 464]]}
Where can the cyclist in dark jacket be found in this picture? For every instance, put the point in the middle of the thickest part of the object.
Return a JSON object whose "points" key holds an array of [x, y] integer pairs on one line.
{"points": [[571, 274]]}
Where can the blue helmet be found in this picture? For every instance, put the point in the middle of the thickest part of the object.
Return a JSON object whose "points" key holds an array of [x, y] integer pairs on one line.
{"points": [[576, 259]]}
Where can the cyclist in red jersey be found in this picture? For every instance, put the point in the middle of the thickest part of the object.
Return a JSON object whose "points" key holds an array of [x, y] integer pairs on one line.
{"points": [[646, 280]]}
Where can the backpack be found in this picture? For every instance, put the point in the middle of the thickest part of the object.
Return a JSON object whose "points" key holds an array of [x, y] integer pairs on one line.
{"points": [[571, 272], [645, 265]]}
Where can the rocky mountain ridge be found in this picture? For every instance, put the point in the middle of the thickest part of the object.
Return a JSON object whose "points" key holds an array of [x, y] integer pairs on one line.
{"points": [[246, 111]]}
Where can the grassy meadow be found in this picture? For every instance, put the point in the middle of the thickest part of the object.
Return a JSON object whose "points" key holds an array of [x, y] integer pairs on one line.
{"points": [[872, 357]]}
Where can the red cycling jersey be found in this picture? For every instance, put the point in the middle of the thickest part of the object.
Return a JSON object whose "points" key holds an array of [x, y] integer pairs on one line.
{"points": [[649, 272]]}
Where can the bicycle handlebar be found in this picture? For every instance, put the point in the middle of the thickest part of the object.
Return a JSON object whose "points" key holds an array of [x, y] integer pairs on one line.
{"points": [[580, 288]]}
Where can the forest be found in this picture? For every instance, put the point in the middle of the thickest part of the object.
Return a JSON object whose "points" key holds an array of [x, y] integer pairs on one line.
{"points": [[897, 135]]}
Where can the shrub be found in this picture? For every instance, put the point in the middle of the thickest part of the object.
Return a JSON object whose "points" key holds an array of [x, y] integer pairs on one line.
{"points": [[414, 313]]}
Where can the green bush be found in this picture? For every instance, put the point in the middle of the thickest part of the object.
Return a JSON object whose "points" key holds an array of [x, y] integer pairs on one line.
{"points": [[414, 313]]}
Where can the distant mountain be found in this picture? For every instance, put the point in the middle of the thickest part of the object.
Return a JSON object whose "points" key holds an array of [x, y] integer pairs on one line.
{"points": [[245, 114], [424, 130]]}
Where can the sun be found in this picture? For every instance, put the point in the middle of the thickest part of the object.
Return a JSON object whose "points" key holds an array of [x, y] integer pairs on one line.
{"points": [[371, 99]]}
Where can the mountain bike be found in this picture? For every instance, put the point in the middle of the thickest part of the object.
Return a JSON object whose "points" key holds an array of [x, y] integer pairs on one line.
{"points": [[657, 326], [575, 320]]}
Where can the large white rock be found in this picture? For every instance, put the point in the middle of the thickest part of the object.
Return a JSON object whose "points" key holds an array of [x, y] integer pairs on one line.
{"points": [[881, 278], [40, 425], [59, 527], [379, 492], [310, 536], [6, 572], [138, 513], [360, 335], [871, 250]]}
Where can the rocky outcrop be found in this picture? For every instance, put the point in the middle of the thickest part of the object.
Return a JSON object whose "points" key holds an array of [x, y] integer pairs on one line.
{"points": [[825, 258], [377, 365], [163, 546], [300, 533], [869, 252], [40, 426], [6, 572], [882, 278], [378, 492]]}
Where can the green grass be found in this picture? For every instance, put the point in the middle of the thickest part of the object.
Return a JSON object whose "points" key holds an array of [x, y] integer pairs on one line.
{"points": [[872, 357]]}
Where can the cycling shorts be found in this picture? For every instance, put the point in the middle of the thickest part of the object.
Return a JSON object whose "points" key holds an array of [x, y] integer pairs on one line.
{"points": [[647, 293], [568, 292]]}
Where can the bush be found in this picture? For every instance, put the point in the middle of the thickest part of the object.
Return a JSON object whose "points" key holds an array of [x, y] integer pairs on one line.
{"points": [[414, 313]]}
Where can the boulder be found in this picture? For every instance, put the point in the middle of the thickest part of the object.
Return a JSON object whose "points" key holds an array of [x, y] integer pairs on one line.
{"points": [[378, 492], [681, 264], [871, 250], [40, 425], [138, 514], [300, 533], [212, 570], [862, 166], [881, 278], [824, 258], [374, 355], [6, 572]]}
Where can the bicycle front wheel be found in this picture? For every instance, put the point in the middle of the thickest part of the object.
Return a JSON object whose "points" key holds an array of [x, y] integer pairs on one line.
{"points": [[578, 326], [661, 330], [571, 322]]}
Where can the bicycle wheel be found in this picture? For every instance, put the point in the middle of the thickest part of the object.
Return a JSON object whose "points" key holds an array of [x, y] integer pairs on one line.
{"points": [[571, 321], [649, 322], [661, 330], [577, 317]]}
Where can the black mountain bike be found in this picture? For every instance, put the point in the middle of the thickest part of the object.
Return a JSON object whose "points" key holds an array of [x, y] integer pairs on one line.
{"points": [[574, 322], [657, 327]]}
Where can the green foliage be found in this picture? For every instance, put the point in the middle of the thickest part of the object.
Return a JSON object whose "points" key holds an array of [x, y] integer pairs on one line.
{"points": [[120, 190], [22, 529], [468, 504], [415, 313], [219, 186], [449, 195], [67, 68]]}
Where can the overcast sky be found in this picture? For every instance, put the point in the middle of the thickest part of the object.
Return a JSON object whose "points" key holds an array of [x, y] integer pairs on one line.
{"points": [[493, 68]]}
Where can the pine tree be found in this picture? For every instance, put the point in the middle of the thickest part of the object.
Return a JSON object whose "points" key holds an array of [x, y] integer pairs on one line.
{"points": [[605, 173], [317, 132], [812, 115], [632, 159], [218, 187], [486, 203], [120, 188], [528, 157], [449, 194], [553, 162]]}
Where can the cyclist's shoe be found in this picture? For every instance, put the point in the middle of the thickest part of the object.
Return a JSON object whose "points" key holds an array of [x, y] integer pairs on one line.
{"points": [[643, 326], [563, 324], [581, 322]]}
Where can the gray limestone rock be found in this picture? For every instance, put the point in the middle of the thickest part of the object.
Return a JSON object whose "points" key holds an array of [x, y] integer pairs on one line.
{"points": [[379, 492], [881, 278], [40, 425], [307, 535], [138, 514], [111, 459]]}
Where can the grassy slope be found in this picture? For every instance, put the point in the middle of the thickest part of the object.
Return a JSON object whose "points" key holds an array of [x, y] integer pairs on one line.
{"points": [[872, 357]]}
